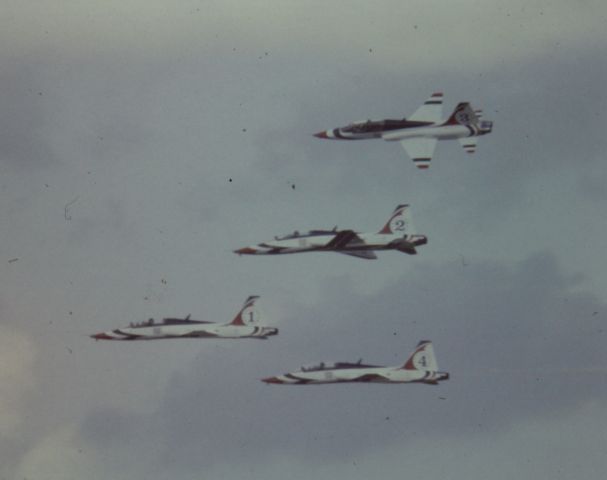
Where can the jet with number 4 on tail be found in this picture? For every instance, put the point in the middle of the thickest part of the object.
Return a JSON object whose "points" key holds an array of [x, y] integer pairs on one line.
{"points": [[419, 133], [420, 367], [246, 324], [396, 234]]}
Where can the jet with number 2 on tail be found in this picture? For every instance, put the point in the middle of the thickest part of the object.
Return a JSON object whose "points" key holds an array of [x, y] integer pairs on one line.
{"points": [[419, 133], [397, 234], [246, 324], [420, 367]]}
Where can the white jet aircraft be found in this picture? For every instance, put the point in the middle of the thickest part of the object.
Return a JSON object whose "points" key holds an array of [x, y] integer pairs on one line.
{"points": [[397, 234], [419, 133], [420, 367], [246, 324]]}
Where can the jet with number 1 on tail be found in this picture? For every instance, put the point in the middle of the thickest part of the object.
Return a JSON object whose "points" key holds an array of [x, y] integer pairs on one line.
{"points": [[419, 133], [420, 367], [396, 234], [246, 324]]}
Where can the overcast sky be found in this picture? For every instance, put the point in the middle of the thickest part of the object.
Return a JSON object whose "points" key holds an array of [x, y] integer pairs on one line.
{"points": [[141, 142]]}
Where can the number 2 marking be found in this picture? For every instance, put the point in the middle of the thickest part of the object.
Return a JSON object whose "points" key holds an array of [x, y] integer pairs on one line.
{"points": [[399, 225]]}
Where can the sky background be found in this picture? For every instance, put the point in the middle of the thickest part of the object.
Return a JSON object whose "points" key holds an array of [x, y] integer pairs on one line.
{"points": [[141, 142]]}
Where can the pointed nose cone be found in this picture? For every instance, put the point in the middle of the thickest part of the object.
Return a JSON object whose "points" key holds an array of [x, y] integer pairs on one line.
{"points": [[101, 336], [245, 251], [271, 380], [322, 134]]}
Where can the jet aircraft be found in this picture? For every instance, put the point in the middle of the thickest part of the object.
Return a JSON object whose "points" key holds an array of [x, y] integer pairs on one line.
{"points": [[246, 324], [397, 234], [419, 133], [420, 367]]}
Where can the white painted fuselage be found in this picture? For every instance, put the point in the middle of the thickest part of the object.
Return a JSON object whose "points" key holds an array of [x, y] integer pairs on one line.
{"points": [[310, 242], [246, 324], [192, 330], [362, 374], [439, 132]]}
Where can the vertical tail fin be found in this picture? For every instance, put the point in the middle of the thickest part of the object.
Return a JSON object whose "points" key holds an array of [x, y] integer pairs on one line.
{"points": [[462, 115], [248, 314], [399, 222], [422, 358]]}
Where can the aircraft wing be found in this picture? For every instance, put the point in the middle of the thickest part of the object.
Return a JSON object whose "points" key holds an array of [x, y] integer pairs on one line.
{"points": [[430, 111], [200, 334], [469, 144], [366, 254], [420, 150], [343, 238]]}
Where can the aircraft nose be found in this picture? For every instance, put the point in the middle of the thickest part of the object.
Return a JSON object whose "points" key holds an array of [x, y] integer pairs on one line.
{"points": [[101, 336], [322, 134], [245, 251], [271, 380]]}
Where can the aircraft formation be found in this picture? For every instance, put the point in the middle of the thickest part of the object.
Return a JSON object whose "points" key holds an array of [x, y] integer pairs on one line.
{"points": [[418, 135]]}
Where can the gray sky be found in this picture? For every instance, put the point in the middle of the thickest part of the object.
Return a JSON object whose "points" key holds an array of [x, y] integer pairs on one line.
{"points": [[124, 123]]}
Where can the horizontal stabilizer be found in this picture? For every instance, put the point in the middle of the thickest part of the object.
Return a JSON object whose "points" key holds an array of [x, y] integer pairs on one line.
{"points": [[469, 144], [406, 247]]}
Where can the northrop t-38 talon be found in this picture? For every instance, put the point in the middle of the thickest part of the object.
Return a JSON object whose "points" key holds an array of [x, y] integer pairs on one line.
{"points": [[419, 133], [246, 324], [420, 367], [397, 234]]}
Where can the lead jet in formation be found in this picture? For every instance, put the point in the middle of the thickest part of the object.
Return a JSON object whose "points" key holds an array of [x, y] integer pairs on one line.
{"points": [[419, 133], [397, 234], [246, 324], [420, 367]]}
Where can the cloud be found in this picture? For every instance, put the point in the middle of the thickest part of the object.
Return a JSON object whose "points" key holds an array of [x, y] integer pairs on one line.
{"points": [[17, 357], [417, 33]]}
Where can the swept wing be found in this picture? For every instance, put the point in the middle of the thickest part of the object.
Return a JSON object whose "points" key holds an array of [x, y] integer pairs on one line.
{"points": [[420, 150], [430, 111], [366, 254]]}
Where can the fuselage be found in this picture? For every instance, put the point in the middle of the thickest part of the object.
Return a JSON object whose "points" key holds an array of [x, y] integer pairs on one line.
{"points": [[321, 241], [175, 328], [396, 130], [348, 372]]}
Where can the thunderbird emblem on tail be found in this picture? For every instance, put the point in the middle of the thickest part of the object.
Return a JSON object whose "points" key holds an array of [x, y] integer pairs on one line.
{"points": [[419, 133], [246, 324], [397, 234], [420, 367]]}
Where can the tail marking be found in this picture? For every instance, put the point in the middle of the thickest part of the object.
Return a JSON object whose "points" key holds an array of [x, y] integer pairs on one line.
{"points": [[247, 315]]}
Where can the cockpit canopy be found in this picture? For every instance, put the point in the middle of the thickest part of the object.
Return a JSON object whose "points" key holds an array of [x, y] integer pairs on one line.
{"points": [[311, 233], [334, 366], [166, 321]]}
